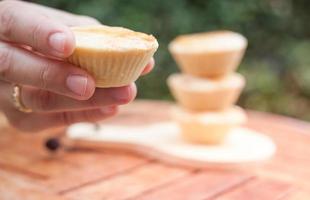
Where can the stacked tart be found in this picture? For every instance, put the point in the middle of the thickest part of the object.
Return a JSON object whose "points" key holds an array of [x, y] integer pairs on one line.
{"points": [[208, 86]]}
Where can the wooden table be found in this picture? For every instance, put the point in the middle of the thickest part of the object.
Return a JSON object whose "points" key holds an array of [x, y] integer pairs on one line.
{"points": [[27, 171]]}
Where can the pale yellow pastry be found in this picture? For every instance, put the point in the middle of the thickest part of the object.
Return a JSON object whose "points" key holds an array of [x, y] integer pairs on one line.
{"points": [[206, 94], [210, 54], [208, 127], [115, 56]]}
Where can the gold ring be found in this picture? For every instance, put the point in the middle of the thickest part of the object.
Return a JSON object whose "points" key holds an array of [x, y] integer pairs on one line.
{"points": [[17, 101]]}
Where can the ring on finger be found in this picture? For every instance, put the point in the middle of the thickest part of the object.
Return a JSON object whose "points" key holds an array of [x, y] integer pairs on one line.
{"points": [[17, 101]]}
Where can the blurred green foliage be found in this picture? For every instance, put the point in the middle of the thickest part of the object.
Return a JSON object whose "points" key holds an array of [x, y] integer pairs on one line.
{"points": [[277, 62]]}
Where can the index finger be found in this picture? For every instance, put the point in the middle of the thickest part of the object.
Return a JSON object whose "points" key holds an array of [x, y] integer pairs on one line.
{"points": [[33, 28]]}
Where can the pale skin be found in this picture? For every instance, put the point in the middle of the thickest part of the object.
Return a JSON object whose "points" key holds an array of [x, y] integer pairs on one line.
{"points": [[34, 41]]}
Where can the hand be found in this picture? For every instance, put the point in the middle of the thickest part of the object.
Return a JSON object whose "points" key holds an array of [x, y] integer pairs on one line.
{"points": [[34, 40]]}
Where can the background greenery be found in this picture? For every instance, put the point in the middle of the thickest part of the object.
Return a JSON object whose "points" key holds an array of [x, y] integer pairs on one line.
{"points": [[277, 61]]}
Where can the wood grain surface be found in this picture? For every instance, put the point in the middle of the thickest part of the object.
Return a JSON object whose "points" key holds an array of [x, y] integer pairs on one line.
{"points": [[28, 171]]}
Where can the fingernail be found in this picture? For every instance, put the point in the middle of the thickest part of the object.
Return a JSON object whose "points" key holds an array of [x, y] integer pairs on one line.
{"points": [[57, 41], [107, 110], [77, 84]]}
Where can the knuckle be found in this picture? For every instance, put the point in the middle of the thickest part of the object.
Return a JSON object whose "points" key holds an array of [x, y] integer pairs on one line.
{"points": [[38, 31], [67, 118], [89, 116], [46, 75], [43, 100], [5, 60], [7, 15], [51, 75]]}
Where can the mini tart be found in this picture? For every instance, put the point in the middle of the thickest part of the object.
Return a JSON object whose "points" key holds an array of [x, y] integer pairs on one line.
{"points": [[202, 94], [210, 54], [114, 56], [208, 127]]}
